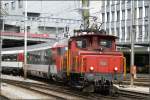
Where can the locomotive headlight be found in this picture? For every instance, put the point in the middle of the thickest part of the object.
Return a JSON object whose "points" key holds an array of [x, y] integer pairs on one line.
{"points": [[116, 68], [66, 48], [91, 68]]}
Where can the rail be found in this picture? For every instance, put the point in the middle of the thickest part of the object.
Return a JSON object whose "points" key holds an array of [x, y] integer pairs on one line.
{"points": [[67, 91], [59, 92]]}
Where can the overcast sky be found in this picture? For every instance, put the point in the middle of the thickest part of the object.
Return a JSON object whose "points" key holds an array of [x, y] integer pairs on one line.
{"points": [[60, 8]]}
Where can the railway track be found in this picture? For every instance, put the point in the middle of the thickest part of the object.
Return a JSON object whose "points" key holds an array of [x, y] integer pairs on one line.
{"points": [[138, 82], [62, 91], [65, 92], [45, 89]]}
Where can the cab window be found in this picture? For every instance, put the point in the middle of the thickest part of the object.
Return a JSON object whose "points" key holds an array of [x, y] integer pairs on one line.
{"points": [[105, 43], [81, 43]]}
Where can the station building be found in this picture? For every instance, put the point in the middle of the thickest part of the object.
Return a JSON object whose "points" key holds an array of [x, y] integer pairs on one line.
{"points": [[117, 20], [48, 19], [45, 23]]}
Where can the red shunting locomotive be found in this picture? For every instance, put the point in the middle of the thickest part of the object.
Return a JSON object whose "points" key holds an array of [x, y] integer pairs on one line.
{"points": [[90, 62]]}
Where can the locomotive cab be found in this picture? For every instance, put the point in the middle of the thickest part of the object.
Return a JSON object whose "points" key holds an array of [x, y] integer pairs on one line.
{"points": [[93, 57], [95, 42]]}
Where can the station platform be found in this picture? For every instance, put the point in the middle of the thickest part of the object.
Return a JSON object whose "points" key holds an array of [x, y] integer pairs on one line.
{"points": [[141, 84], [134, 88]]}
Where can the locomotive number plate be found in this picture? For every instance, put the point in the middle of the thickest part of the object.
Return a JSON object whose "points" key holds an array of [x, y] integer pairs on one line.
{"points": [[103, 63]]}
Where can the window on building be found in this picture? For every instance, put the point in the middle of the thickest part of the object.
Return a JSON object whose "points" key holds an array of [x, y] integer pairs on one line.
{"points": [[140, 31], [128, 1], [146, 11], [107, 31], [135, 13], [28, 28], [12, 5], [103, 3], [123, 1], [108, 17], [146, 31], [128, 32], [118, 1], [123, 14], [103, 17], [20, 3], [118, 32], [129, 14], [140, 12], [112, 31], [113, 2], [118, 15], [123, 33], [108, 2], [113, 15]]}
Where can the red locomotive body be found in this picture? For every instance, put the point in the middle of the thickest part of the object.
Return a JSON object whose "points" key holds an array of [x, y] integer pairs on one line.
{"points": [[90, 61]]}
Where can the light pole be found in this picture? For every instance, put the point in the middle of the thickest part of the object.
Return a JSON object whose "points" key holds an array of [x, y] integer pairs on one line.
{"points": [[85, 13], [25, 42], [57, 31], [0, 43], [132, 43], [149, 37]]}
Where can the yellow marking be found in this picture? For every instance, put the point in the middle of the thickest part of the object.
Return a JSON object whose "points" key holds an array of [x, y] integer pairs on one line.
{"points": [[68, 64], [62, 63], [81, 65], [124, 59], [76, 62]]}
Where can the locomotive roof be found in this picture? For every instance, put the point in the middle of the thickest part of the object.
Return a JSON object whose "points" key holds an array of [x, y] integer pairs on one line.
{"points": [[89, 35], [91, 32]]}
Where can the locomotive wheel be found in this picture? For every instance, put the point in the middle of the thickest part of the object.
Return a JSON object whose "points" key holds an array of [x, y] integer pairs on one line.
{"points": [[113, 91], [90, 88]]}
